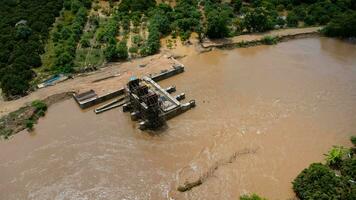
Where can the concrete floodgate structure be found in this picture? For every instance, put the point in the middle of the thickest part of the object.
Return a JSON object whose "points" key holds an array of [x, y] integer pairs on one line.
{"points": [[146, 101]]}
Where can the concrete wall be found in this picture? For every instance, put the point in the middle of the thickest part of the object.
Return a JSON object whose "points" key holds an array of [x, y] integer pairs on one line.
{"points": [[100, 99]]}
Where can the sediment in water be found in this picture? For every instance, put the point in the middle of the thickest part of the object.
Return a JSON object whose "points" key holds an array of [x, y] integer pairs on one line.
{"points": [[188, 185]]}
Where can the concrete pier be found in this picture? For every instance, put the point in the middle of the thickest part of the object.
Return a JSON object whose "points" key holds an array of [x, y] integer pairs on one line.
{"points": [[145, 99], [152, 105], [90, 98]]}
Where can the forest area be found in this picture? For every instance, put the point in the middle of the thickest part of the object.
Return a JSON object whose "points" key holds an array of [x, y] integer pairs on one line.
{"points": [[42, 38]]}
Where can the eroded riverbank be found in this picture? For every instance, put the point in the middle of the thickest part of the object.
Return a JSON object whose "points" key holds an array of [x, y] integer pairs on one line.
{"points": [[290, 103]]}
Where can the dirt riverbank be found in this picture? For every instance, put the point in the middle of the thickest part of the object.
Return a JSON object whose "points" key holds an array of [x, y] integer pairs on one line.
{"points": [[252, 38]]}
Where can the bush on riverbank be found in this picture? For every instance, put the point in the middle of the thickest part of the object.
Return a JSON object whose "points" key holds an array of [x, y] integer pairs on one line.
{"points": [[252, 197], [269, 40], [320, 181]]}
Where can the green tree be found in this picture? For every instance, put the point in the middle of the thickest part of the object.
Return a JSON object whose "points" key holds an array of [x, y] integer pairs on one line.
{"points": [[13, 85], [152, 44], [292, 19], [257, 20], [217, 24], [111, 52], [236, 4], [23, 32], [64, 62]]}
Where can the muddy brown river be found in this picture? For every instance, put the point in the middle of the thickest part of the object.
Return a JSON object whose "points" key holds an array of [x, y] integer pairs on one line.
{"points": [[263, 114]]}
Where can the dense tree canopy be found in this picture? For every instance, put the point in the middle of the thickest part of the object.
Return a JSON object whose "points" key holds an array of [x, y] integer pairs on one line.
{"points": [[344, 25], [24, 29]]}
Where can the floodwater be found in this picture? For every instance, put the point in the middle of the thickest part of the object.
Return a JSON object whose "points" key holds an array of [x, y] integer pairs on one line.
{"points": [[263, 114]]}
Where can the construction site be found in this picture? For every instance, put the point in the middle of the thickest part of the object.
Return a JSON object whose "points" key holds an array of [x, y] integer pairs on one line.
{"points": [[145, 100]]}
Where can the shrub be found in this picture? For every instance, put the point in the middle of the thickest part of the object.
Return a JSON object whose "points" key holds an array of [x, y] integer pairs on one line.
{"points": [[41, 113], [110, 52], [353, 140], [269, 40], [39, 106], [29, 124], [335, 156], [252, 197], [5, 133]]}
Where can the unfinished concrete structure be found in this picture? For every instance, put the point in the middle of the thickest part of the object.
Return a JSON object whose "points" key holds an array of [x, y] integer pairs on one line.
{"points": [[151, 104], [143, 98]]}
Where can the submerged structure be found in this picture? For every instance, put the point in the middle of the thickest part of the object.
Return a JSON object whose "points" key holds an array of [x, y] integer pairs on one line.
{"points": [[146, 101]]}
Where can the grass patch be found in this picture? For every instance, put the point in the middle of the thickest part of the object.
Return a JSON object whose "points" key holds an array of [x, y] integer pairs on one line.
{"points": [[89, 57]]}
